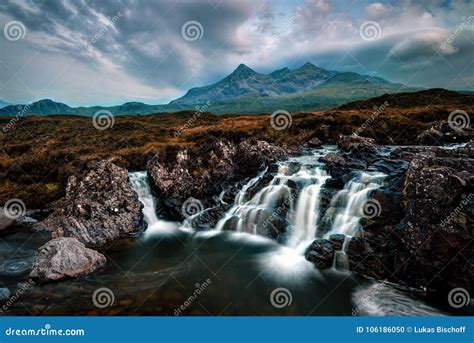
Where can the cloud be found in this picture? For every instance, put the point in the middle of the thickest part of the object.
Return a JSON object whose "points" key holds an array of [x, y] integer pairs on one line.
{"points": [[89, 52]]}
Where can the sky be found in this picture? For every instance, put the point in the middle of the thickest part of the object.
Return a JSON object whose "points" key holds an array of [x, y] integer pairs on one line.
{"points": [[84, 52]]}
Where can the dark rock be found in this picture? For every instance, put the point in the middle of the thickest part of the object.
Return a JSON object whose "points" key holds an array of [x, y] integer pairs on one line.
{"points": [[204, 172], [337, 240], [441, 133], [314, 142], [100, 207], [321, 253], [65, 257], [357, 145]]}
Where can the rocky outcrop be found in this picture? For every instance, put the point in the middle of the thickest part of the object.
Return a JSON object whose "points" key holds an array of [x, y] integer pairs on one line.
{"points": [[321, 253], [443, 132], [357, 145], [204, 172], [100, 207], [65, 257]]}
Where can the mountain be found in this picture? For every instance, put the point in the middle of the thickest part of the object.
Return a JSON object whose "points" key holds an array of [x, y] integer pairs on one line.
{"points": [[245, 91], [4, 104]]}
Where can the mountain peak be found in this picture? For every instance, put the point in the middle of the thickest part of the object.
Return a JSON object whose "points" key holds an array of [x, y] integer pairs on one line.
{"points": [[242, 71], [309, 66]]}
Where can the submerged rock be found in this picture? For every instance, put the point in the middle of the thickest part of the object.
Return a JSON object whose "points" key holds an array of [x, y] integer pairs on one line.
{"points": [[100, 207], [321, 253], [4, 294], [65, 257]]}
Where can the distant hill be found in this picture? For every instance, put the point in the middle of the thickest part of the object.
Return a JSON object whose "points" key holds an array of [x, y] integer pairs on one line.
{"points": [[433, 96], [4, 104], [244, 91]]}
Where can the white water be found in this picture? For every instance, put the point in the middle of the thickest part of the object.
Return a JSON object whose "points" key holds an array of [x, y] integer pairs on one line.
{"points": [[281, 201], [139, 181]]}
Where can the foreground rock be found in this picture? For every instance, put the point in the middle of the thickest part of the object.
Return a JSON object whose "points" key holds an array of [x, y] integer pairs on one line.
{"points": [[100, 207], [443, 132], [357, 145], [65, 257], [203, 172], [321, 253]]}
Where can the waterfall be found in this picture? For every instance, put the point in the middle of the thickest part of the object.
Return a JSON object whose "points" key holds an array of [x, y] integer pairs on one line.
{"points": [[287, 208], [139, 182]]}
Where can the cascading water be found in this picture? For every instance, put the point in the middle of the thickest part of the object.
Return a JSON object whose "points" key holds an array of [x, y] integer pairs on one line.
{"points": [[350, 205], [139, 181], [287, 208]]}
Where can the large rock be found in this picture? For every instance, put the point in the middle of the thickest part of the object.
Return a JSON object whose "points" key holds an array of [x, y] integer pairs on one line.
{"points": [[321, 253], [357, 145], [100, 207], [441, 132], [203, 172], [65, 257]]}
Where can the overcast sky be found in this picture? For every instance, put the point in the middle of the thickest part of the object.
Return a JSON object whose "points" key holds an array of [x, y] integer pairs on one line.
{"points": [[86, 52]]}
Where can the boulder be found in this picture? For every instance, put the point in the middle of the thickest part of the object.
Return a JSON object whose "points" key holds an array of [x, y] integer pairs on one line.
{"points": [[203, 172], [441, 133], [4, 294], [356, 145], [65, 257], [321, 253], [314, 143], [337, 240], [100, 207]]}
